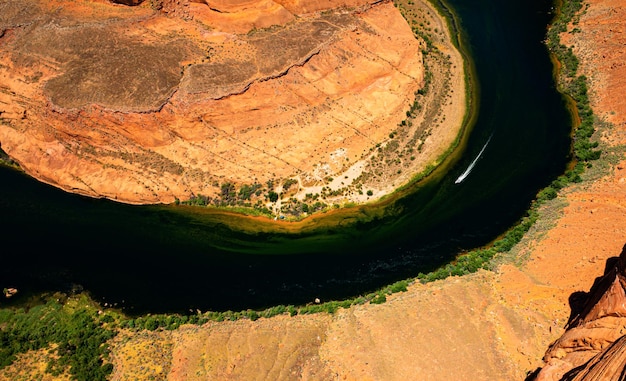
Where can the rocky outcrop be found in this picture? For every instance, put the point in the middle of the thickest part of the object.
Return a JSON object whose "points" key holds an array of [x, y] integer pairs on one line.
{"points": [[594, 345], [608, 365]]}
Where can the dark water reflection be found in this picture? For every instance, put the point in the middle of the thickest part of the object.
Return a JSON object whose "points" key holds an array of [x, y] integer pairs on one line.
{"points": [[157, 259]]}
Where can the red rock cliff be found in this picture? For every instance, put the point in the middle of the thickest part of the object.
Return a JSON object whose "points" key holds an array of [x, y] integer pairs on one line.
{"points": [[594, 345]]}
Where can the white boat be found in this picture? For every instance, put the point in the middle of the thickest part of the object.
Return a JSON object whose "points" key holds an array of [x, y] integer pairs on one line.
{"points": [[472, 164]]}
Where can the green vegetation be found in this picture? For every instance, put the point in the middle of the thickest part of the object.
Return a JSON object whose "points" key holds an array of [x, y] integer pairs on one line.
{"points": [[248, 199], [288, 183], [480, 258], [295, 209], [6, 160], [252, 199], [171, 322], [73, 332], [566, 14], [272, 196], [156, 5]]}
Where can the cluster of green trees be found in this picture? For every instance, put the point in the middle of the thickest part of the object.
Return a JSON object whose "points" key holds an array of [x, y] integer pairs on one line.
{"points": [[480, 258], [153, 322], [80, 335], [251, 199], [288, 183], [246, 191], [583, 148], [296, 208], [230, 196]]}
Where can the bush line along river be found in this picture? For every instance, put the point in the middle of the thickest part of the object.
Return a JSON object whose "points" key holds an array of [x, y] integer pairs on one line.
{"points": [[172, 259]]}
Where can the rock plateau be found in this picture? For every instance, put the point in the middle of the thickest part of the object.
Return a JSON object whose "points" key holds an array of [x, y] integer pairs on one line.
{"points": [[148, 102]]}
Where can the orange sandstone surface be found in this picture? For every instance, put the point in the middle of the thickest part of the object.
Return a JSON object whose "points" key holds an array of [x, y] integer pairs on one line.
{"points": [[146, 106]]}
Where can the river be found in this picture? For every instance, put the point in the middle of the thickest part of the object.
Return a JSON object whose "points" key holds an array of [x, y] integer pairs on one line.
{"points": [[172, 259]]}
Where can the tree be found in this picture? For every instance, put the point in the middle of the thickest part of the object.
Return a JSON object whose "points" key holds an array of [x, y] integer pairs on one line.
{"points": [[273, 196]]}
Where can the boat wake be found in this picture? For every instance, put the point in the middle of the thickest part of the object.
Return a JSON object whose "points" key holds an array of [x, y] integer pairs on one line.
{"points": [[472, 164]]}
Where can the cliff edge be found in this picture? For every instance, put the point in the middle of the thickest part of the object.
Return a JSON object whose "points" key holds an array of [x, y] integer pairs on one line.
{"points": [[594, 345]]}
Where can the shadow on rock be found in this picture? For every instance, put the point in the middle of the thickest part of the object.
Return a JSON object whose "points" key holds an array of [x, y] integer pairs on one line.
{"points": [[593, 346]]}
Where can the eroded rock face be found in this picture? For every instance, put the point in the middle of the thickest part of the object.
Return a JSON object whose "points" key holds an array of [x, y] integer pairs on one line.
{"points": [[141, 106], [594, 346], [608, 365]]}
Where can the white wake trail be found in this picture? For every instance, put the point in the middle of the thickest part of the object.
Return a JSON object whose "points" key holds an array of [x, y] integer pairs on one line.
{"points": [[472, 164]]}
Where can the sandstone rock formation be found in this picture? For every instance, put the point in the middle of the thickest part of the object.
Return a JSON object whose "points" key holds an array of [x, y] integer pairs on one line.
{"points": [[594, 345], [608, 365], [147, 104]]}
